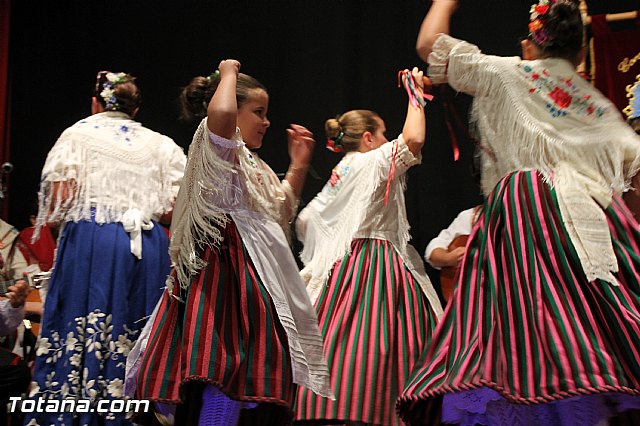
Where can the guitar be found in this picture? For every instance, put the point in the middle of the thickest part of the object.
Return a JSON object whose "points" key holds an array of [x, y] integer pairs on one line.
{"points": [[448, 274]]}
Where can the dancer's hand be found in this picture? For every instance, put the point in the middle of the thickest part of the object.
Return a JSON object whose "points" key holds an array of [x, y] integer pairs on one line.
{"points": [[301, 144], [229, 67], [418, 78]]}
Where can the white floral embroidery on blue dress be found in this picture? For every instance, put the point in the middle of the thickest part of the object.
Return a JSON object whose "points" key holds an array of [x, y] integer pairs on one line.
{"points": [[93, 335]]}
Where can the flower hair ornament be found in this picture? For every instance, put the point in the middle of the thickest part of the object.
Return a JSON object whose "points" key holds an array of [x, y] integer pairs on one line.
{"points": [[108, 86], [537, 32], [335, 144], [214, 75]]}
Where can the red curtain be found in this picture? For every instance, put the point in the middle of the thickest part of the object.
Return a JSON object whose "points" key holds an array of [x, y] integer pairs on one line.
{"points": [[617, 59], [5, 13]]}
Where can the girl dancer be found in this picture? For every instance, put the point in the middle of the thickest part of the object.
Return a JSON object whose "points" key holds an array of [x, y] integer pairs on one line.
{"points": [[236, 328], [375, 304]]}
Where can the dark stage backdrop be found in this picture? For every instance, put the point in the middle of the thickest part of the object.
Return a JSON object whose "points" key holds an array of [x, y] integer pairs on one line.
{"points": [[317, 58]]}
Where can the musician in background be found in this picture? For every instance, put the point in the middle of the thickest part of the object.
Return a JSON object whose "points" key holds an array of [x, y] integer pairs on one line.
{"points": [[17, 337], [42, 251], [13, 264], [445, 252], [12, 307], [14, 373]]}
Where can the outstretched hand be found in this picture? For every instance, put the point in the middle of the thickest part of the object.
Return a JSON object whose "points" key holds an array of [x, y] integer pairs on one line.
{"points": [[301, 145], [418, 78]]}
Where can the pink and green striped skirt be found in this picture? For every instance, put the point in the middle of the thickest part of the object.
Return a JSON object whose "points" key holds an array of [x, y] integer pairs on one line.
{"points": [[526, 339], [227, 334], [375, 322]]}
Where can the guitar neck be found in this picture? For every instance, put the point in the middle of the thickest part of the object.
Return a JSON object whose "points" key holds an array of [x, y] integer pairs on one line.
{"points": [[4, 286]]}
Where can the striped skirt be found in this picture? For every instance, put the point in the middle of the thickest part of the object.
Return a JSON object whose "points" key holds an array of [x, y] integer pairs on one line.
{"points": [[227, 334], [525, 327], [375, 322]]}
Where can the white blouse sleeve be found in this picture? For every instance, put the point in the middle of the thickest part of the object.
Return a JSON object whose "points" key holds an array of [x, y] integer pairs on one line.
{"points": [[398, 151], [225, 148], [224, 143], [461, 225], [458, 63]]}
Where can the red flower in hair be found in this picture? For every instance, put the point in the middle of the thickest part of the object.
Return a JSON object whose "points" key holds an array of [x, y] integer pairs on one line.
{"points": [[560, 97], [535, 25], [542, 9]]}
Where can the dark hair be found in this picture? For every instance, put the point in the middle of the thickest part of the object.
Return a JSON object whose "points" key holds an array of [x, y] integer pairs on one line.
{"points": [[117, 92], [352, 125], [563, 29], [195, 97]]}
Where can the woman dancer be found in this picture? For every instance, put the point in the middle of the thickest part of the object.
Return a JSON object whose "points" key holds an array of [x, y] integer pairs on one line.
{"points": [[112, 258], [544, 325]]}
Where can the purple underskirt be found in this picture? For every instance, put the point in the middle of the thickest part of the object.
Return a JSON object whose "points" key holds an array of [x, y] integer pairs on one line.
{"points": [[485, 406]]}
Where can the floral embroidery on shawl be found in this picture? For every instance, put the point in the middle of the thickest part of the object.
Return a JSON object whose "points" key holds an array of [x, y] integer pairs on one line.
{"points": [[120, 132], [339, 172], [564, 95]]}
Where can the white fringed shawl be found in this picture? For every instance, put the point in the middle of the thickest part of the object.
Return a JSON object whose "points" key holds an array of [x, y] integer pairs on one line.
{"points": [[541, 115], [211, 188], [114, 165], [351, 206], [244, 188]]}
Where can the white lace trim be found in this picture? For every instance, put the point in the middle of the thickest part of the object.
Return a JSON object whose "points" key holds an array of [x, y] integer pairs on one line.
{"points": [[196, 222]]}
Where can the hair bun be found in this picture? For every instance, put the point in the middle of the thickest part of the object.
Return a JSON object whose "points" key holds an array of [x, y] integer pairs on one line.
{"points": [[332, 128], [195, 97]]}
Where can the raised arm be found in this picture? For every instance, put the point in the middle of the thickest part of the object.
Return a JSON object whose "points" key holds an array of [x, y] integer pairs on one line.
{"points": [[436, 22], [222, 112], [414, 129]]}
